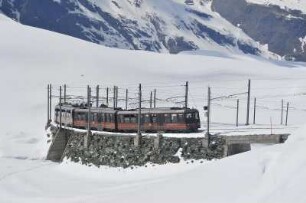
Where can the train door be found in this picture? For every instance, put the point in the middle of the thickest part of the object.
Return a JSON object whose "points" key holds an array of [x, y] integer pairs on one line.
{"points": [[160, 121]]}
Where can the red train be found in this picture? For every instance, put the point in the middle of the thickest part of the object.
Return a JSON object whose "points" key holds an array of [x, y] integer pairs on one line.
{"points": [[118, 120]]}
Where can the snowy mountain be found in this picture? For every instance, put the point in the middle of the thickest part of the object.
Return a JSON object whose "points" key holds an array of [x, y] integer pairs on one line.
{"points": [[154, 25], [31, 58], [281, 24]]}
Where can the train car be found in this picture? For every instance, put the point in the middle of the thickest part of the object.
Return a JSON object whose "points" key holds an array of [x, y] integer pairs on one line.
{"points": [[118, 120], [159, 119], [100, 119], [67, 112]]}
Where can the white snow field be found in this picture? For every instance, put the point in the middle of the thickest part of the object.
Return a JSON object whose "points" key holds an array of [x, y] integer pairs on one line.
{"points": [[31, 58]]}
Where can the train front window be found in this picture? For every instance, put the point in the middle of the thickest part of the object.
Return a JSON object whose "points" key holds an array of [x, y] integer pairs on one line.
{"points": [[189, 116], [196, 116]]}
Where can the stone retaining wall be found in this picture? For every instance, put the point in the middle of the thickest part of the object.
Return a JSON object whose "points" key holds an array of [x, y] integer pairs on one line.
{"points": [[121, 151]]}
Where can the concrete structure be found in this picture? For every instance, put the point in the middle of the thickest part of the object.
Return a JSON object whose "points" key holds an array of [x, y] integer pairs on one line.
{"points": [[58, 145], [259, 139], [121, 150]]}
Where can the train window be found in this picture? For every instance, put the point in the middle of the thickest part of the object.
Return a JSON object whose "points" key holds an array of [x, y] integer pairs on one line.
{"points": [[180, 118], [107, 117], [126, 119], [153, 118], [147, 118], [174, 118], [189, 116], [167, 118], [133, 119]]}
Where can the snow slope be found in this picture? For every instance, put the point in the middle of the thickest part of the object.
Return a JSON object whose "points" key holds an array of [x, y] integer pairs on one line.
{"points": [[31, 58], [153, 25]]}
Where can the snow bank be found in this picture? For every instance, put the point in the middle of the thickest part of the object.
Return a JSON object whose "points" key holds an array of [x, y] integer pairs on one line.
{"points": [[285, 177]]}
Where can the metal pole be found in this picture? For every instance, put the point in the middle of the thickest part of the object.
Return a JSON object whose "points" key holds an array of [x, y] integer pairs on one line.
{"points": [[65, 95], [237, 114], [97, 95], [139, 111], [87, 137], [89, 106], [117, 92], [271, 125], [48, 103], [254, 116], [107, 97], [248, 103], [154, 98], [282, 112], [60, 104], [208, 116], [126, 98], [151, 95], [287, 113], [186, 95], [114, 97]]}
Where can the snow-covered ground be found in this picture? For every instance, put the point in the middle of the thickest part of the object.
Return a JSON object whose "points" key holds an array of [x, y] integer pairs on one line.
{"points": [[286, 4], [32, 58]]}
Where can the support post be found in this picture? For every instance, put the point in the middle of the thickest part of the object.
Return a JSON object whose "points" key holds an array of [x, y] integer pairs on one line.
{"points": [[117, 93], [137, 141], [126, 98], [208, 116], [186, 94], [154, 98], [237, 114], [248, 103], [60, 104], [65, 93], [282, 112], [287, 113], [151, 104], [139, 110], [87, 137], [50, 97], [107, 91], [114, 97], [254, 116], [97, 95], [48, 103]]}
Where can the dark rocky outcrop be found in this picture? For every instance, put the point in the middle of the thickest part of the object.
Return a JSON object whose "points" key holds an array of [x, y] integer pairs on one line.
{"points": [[281, 29]]}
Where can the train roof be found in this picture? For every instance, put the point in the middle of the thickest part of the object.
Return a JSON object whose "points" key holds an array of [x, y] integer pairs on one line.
{"points": [[130, 111], [157, 110], [96, 110]]}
